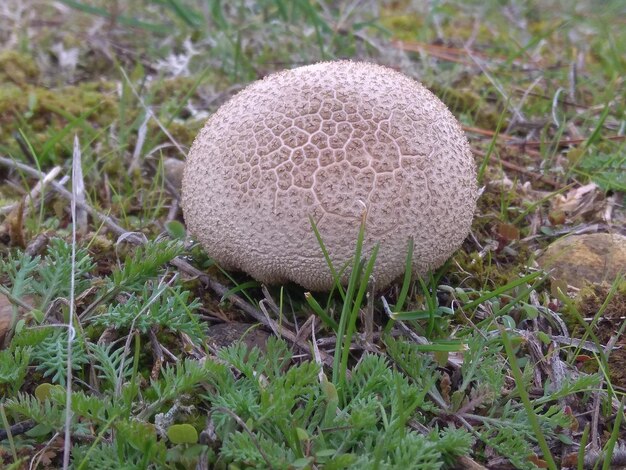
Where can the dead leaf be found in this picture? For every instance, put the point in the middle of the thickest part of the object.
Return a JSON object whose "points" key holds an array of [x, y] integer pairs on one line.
{"points": [[6, 316], [47, 457], [469, 464], [15, 224], [445, 385], [539, 462], [508, 232], [578, 201], [556, 217], [505, 234], [570, 460], [573, 421]]}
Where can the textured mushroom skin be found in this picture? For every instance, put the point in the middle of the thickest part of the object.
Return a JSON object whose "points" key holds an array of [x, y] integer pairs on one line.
{"points": [[328, 140]]}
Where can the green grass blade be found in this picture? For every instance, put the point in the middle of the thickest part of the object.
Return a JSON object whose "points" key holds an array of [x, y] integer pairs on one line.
{"points": [[421, 314], [121, 19], [501, 290], [492, 144], [59, 136], [523, 394], [329, 262], [406, 281], [347, 306], [354, 314], [239, 288], [580, 465], [320, 312], [610, 444], [190, 17]]}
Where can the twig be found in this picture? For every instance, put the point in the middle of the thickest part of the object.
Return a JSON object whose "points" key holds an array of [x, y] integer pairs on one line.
{"points": [[17, 429], [271, 303], [221, 290], [513, 141], [487, 133], [519, 90], [15, 300], [58, 188], [440, 52], [39, 187], [268, 319], [36, 245], [157, 353]]}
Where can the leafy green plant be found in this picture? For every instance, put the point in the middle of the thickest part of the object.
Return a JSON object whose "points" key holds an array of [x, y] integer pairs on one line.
{"points": [[158, 307], [606, 170], [50, 354], [53, 272], [182, 434], [13, 367]]}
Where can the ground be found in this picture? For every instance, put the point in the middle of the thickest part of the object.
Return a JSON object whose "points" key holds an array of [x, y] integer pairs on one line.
{"points": [[173, 362]]}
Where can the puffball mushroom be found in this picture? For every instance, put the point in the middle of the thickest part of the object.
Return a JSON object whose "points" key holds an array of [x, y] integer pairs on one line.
{"points": [[330, 141]]}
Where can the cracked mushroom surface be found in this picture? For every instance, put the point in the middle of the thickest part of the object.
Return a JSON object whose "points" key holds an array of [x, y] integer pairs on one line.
{"points": [[329, 141]]}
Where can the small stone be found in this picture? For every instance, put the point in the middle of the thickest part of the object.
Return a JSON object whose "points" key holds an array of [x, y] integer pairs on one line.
{"points": [[173, 170], [581, 259]]}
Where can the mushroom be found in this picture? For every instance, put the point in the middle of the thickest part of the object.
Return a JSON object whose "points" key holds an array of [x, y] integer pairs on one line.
{"points": [[326, 141]]}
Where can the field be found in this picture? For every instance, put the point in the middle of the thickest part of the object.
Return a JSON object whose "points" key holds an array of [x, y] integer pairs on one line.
{"points": [[124, 345]]}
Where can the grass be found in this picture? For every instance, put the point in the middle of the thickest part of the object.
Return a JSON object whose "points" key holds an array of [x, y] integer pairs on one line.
{"points": [[485, 361]]}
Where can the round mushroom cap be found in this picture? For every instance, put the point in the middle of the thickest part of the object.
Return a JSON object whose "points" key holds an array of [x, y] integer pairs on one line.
{"points": [[328, 141]]}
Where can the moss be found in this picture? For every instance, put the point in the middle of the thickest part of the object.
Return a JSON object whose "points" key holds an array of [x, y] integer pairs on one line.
{"points": [[465, 100], [165, 90], [11, 97], [463, 27], [184, 132], [17, 68], [484, 272], [402, 26], [78, 99], [42, 113]]}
